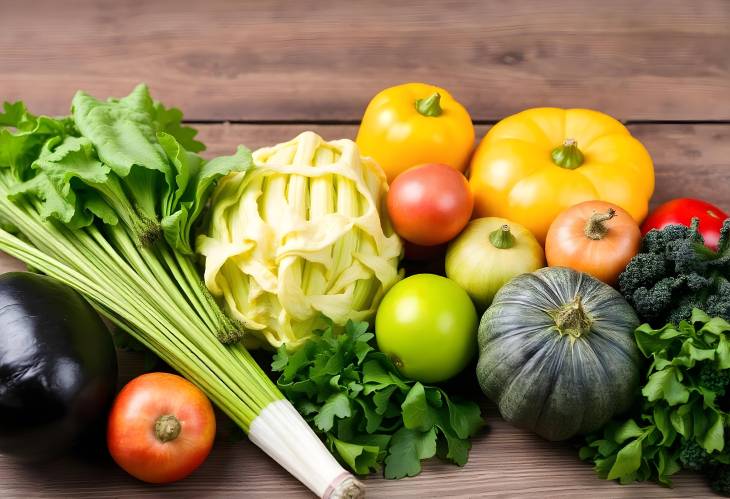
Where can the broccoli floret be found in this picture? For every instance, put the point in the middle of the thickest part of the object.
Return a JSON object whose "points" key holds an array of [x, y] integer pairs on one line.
{"points": [[683, 255], [643, 270], [693, 456], [650, 303], [682, 310], [656, 240], [719, 478], [718, 305], [713, 378], [675, 273], [724, 243], [695, 281]]}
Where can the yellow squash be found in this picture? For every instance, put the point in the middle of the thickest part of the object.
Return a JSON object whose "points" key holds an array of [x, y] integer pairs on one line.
{"points": [[533, 165], [415, 123]]}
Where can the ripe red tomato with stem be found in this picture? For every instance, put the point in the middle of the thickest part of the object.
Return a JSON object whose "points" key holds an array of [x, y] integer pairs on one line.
{"points": [[681, 212], [161, 428], [430, 204]]}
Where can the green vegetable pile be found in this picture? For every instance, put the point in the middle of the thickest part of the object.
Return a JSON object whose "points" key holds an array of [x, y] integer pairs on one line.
{"points": [[104, 201], [366, 412], [675, 273], [683, 417]]}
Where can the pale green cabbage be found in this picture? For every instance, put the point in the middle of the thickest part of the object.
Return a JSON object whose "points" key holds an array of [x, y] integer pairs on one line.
{"points": [[301, 236]]}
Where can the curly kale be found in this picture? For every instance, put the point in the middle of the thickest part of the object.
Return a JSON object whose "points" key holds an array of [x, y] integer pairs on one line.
{"points": [[675, 273], [693, 456]]}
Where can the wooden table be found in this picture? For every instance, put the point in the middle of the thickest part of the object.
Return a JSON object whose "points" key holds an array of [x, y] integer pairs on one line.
{"points": [[260, 72]]}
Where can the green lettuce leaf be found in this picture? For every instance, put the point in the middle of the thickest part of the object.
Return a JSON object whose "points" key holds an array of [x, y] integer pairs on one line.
{"points": [[195, 181]]}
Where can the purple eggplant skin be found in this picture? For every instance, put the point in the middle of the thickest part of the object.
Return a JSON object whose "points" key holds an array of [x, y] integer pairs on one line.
{"points": [[58, 367]]}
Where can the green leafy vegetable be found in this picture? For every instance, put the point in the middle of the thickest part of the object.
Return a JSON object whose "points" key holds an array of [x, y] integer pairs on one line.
{"points": [[129, 159], [86, 198], [675, 273], [366, 413], [683, 414]]}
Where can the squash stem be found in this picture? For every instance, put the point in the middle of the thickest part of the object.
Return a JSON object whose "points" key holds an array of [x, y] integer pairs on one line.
{"points": [[502, 238], [568, 155], [595, 227], [430, 106], [571, 319]]}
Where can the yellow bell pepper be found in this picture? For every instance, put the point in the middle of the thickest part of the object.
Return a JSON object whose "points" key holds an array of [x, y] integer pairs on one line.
{"points": [[415, 123], [533, 165]]}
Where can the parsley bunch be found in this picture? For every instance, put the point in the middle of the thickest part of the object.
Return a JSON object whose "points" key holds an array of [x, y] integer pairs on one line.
{"points": [[683, 413], [366, 412]]}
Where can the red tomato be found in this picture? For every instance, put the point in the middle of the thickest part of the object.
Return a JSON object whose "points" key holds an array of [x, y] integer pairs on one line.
{"points": [[681, 212], [430, 204], [161, 428]]}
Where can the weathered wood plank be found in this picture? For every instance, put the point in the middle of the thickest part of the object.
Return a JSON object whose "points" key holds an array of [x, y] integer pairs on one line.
{"points": [[315, 60], [690, 160], [504, 462]]}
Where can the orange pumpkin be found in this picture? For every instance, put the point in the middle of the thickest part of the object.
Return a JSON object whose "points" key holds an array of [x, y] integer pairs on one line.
{"points": [[596, 237]]}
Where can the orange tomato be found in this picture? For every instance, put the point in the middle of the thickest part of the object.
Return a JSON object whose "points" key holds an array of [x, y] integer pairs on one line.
{"points": [[596, 237], [161, 428]]}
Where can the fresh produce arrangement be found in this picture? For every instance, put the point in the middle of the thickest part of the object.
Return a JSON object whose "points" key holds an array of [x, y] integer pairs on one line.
{"points": [[382, 277], [533, 165], [102, 201], [369, 413], [675, 273], [682, 419]]}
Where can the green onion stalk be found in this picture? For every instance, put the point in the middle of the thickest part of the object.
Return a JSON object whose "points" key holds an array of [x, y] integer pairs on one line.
{"points": [[155, 294]]}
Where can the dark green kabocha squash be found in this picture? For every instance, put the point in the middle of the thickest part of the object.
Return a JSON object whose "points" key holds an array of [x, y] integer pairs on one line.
{"points": [[557, 353]]}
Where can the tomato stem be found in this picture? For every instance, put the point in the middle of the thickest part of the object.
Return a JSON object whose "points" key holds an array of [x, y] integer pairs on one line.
{"points": [[568, 155], [167, 428], [502, 238], [596, 227], [430, 106], [571, 319]]}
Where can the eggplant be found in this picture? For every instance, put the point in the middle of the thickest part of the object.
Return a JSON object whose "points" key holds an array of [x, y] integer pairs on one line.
{"points": [[58, 367]]}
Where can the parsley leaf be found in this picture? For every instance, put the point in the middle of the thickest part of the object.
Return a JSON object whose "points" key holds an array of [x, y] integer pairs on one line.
{"points": [[682, 415], [366, 412]]}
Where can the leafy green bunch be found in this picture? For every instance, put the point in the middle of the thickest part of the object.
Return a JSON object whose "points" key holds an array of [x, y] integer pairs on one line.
{"points": [[675, 273], [682, 420], [366, 412], [130, 159]]}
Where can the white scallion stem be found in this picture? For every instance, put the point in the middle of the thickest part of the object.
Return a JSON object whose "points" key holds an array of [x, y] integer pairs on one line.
{"points": [[281, 432]]}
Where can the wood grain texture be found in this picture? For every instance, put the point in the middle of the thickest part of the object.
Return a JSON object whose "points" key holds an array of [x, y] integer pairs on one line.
{"points": [[505, 462], [323, 60], [689, 160]]}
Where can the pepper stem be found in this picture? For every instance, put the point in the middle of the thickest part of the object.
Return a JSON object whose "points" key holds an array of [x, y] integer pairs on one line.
{"points": [[502, 238], [571, 319], [430, 106], [167, 428], [596, 227], [567, 155]]}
